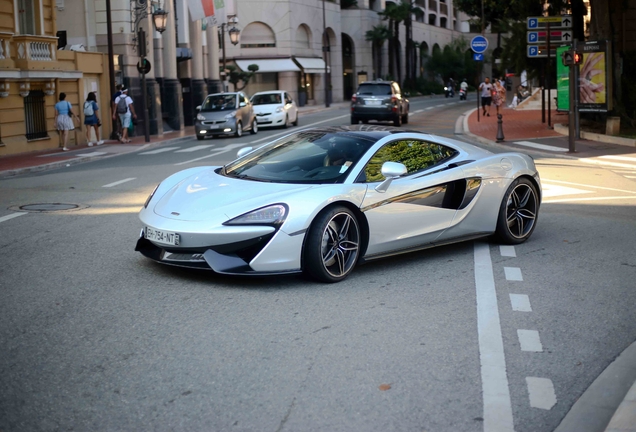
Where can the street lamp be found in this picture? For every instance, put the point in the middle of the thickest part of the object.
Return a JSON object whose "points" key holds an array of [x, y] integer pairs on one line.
{"points": [[159, 19], [234, 38]]}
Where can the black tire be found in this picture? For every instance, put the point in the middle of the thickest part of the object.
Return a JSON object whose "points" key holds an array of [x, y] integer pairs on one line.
{"points": [[254, 129], [332, 246], [397, 121], [354, 120], [200, 137], [295, 123], [405, 119], [518, 212], [239, 130]]}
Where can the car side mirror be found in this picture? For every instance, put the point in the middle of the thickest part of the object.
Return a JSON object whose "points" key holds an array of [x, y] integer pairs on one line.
{"points": [[242, 104], [390, 171], [242, 152], [199, 108]]}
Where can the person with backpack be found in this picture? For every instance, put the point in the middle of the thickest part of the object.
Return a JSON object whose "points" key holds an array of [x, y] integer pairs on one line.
{"points": [[117, 124], [64, 119], [126, 111], [91, 120]]}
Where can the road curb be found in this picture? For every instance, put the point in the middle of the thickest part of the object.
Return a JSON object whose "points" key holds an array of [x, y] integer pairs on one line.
{"points": [[599, 404]]}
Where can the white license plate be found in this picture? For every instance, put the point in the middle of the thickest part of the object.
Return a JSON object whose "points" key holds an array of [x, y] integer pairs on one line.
{"points": [[263, 119], [164, 237], [373, 102], [213, 126]]}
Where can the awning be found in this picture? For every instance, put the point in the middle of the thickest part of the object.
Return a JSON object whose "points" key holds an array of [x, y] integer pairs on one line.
{"points": [[269, 65], [311, 64]]}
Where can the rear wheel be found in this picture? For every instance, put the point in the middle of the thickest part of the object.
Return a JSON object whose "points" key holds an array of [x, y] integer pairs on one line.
{"points": [[254, 129], [518, 212], [354, 120], [397, 121], [286, 124], [295, 123], [239, 129], [405, 119], [333, 245]]}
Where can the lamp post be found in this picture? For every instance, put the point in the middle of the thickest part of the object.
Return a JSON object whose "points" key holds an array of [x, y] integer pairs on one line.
{"points": [[325, 50], [234, 38], [159, 18]]}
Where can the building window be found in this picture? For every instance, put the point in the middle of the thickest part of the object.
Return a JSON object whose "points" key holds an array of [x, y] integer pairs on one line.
{"points": [[26, 17], [35, 115], [258, 35]]}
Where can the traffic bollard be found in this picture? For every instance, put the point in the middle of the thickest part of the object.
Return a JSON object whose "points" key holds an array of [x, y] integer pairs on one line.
{"points": [[500, 134]]}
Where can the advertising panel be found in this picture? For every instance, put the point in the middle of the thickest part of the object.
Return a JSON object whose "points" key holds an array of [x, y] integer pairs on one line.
{"points": [[595, 77], [562, 81]]}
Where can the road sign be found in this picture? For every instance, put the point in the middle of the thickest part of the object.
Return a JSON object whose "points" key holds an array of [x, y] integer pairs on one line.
{"points": [[560, 22], [557, 37], [478, 57], [537, 51], [479, 44]]}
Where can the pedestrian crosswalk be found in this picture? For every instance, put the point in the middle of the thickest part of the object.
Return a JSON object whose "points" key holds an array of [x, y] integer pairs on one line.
{"points": [[619, 164]]}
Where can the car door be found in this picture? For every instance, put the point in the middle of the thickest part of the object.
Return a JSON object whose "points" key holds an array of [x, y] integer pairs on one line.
{"points": [[290, 108], [417, 207], [245, 111]]}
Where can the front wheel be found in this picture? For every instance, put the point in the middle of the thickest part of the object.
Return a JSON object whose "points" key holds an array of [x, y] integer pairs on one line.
{"points": [[254, 129], [239, 129], [200, 137], [332, 246], [518, 212]]}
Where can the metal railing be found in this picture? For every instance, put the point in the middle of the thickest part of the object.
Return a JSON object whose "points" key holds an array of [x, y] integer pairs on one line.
{"points": [[37, 48], [35, 115], [5, 45]]}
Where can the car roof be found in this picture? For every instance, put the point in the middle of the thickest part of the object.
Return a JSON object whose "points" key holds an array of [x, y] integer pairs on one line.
{"points": [[223, 94], [366, 131], [268, 92]]}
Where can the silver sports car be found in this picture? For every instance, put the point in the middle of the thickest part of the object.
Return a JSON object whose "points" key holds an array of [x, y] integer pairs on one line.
{"points": [[320, 201]]}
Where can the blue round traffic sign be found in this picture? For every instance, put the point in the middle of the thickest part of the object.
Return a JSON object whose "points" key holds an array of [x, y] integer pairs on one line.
{"points": [[479, 44]]}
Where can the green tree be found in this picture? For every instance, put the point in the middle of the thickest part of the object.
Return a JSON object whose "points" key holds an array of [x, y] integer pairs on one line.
{"points": [[395, 14], [377, 36], [235, 75]]}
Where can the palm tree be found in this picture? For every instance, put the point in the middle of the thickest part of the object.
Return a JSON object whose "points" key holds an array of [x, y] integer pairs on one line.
{"points": [[395, 14], [377, 36]]}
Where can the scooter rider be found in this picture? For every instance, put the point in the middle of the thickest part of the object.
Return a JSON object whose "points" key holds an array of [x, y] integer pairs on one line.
{"points": [[464, 85]]}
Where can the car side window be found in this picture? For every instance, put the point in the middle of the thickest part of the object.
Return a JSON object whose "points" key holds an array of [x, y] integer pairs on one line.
{"points": [[416, 155]]}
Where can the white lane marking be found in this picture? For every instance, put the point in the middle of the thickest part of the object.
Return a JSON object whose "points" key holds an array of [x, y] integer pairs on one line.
{"points": [[520, 303], [541, 392], [494, 381], [630, 176], [540, 146], [507, 251], [119, 182], [91, 154], [429, 108], [513, 273], [297, 130], [160, 150], [419, 111], [410, 114], [589, 186], [623, 158], [551, 190], [11, 216], [195, 148], [589, 199], [606, 164], [529, 340], [214, 153]]}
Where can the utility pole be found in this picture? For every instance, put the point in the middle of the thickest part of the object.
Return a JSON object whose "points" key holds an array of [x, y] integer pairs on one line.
{"points": [[325, 50]]}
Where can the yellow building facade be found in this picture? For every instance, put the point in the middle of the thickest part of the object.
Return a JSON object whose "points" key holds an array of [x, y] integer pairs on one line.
{"points": [[33, 73]]}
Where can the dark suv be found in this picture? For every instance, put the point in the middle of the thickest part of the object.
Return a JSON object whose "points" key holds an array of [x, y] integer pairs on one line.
{"points": [[379, 100]]}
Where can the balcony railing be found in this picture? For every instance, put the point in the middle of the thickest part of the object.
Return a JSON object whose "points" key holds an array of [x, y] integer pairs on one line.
{"points": [[5, 45], [443, 8], [35, 48], [432, 5]]}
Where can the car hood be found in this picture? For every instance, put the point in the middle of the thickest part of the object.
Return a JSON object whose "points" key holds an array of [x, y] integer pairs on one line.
{"points": [[216, 115], [212, 197], [268, 108]]}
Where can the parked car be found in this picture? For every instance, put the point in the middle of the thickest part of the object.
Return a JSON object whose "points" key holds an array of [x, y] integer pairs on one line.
{"points": [[322, 200], [225, 114], [379, 100], [274, 108]]}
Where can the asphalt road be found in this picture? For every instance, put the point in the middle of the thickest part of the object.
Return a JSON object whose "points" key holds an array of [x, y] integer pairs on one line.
{"points": [[96, 337]]}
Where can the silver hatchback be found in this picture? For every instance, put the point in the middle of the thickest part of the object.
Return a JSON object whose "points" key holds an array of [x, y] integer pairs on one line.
{"points": [[225, 114]]}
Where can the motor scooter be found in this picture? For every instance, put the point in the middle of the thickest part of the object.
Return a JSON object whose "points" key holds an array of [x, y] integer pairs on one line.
{"points": [[462, 94], [449, 91]]}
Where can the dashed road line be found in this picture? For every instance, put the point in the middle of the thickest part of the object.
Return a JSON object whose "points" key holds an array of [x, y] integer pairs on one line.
{"points": [[513, 273], [507, 251], [119, 182], [91, 154], [11, 216], [496, 393], [529, 340], [520, 303], [159, 150], [622, 158], [540, 146], [195, 148], [541, 393]]}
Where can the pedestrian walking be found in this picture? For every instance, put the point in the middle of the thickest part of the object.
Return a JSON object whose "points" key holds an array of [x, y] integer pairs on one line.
{"points": [[486, 95], [64, 119], [498, 95], [91, 119], [125, 109], [118, 130]]}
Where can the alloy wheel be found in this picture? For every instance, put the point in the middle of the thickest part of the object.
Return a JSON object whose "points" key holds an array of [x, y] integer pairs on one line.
{"points": [[521, 210], [340, 244]]}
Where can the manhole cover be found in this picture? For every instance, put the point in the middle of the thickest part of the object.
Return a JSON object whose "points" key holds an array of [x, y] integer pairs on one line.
{"points": [[48, 207]]}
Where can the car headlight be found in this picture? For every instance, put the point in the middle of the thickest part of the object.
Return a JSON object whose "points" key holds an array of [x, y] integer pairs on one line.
{"points": [[230, 115], [150, 196], [200, 117], [274, 214], [279, 109]]}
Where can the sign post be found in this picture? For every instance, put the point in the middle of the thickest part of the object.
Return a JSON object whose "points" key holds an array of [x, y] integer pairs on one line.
{"points": [[479, 45]]}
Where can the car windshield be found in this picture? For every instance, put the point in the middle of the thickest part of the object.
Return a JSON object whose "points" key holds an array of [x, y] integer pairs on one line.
{"points": [[304, 157], [221, 102], [266, 99], [374, 89]]}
